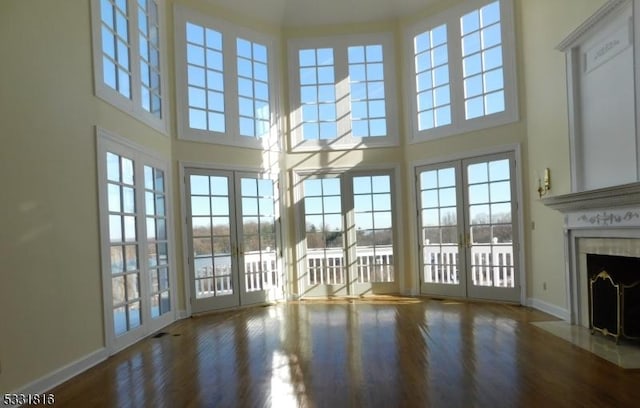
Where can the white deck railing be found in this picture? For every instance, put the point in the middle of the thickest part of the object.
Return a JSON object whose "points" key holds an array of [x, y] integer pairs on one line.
{"points": [[260, 272], [327, 267], [491, 265]]}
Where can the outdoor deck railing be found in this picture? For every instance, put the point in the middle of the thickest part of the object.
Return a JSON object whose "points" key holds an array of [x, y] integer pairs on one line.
{"points": [[491, 265]]}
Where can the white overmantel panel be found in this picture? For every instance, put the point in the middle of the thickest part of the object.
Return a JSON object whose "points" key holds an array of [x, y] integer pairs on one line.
{"points": [[602, 87]]}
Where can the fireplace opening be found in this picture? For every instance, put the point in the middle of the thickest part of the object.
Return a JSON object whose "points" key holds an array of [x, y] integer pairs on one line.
{"points": [[614, 295]]}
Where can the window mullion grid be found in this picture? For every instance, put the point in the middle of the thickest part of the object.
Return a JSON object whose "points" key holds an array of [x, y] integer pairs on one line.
{"points": [[342, 88], [141, 240], [126, 243], [150, 89], [109, 26], [318, 102], [123, 243], [158, 241], [230, 75], [456, 74], [122, 51], [135, 58]]}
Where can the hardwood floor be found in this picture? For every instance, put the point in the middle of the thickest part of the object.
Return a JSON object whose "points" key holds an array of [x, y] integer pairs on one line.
{"points": [[391, 352]]}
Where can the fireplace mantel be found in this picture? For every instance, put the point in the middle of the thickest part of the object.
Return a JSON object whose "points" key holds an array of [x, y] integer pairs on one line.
{"points": [[626, 195], [601, 221]]}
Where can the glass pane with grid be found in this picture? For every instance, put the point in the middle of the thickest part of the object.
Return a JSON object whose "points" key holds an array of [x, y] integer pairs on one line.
{"points": [[211, 235], [116, 64], [157, 240], [431, 62], [324, 232], [148, 34], [374, 229], [483, 73], [205, 94], [123, 244], [253, 89], [490, 224], [318, 94], [366, 79], [259, 234], [439, 226]]}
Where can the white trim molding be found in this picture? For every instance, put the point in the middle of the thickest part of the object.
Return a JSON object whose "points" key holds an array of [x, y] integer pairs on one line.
{"points": [[64, 373], [553, 310]]}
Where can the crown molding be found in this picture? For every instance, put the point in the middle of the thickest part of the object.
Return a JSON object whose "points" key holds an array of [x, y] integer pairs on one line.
{"points": [[576, 35]]}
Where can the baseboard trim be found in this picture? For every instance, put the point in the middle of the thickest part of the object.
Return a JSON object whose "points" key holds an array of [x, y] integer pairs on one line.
{"points": [[57, 377], [409, 292], [549, 308]]}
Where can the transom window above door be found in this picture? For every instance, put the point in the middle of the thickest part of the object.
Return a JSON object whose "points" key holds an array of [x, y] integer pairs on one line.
{"points": [[462, 75], [342, 93], [225, 83], [129, 55]]}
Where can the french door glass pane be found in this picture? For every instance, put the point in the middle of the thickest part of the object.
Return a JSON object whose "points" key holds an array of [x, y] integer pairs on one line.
{"points": [[439, 226], [123, 242], [258, 234], [324, 231], [211, 235], [491, 229], [374, 230], [157, 241]]}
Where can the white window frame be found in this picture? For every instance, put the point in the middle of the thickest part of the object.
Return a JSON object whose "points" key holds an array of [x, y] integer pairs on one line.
{"points": [[132, 105], [348, 219], [340, 45], [230, 32], [110, 142], [459, 124]]}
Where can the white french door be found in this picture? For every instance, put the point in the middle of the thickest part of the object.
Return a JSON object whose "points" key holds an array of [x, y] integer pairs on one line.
{"points": [[347, 234], [137, 265], [468, 228], [232, 239]]}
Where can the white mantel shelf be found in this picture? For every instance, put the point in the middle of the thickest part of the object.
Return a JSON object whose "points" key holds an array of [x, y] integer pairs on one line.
{"points": [[626, 195]]}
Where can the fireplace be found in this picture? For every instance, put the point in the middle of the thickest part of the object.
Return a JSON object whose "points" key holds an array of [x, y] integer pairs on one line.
{"points": [[614, 295], [603, 222]]}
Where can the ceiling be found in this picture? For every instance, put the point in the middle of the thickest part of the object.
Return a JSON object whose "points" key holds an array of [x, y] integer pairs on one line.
{"points": [[305, 13]]}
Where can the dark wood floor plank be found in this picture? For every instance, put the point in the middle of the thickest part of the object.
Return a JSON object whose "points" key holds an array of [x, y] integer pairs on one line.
{"points": [[393, 352]]}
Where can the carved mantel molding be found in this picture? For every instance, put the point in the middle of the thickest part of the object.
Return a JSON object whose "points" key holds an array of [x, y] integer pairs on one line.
{"points": [[609, 198]]}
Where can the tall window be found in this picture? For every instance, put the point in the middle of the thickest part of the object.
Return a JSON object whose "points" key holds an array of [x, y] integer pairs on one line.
{"points": [[432, 78], [463, 76], [205, 78], [224, 83], [342, 92], [129, 58], [366, 80], [253, 88], [149, 41], [318, 94], [135, 224], [482, 61]]}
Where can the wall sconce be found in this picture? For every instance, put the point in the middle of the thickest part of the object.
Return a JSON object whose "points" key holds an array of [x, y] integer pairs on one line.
{"points": [[545, 185]]}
